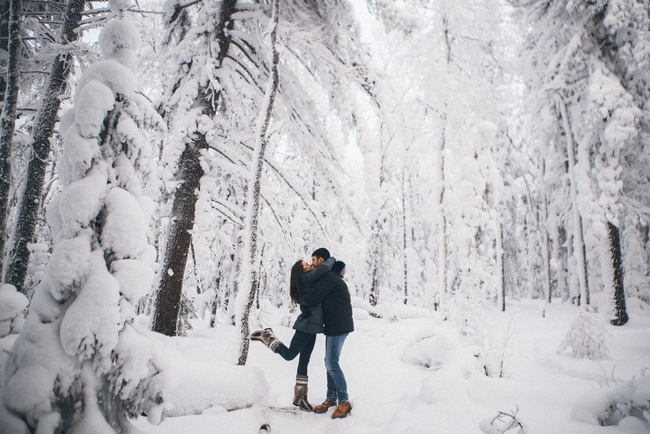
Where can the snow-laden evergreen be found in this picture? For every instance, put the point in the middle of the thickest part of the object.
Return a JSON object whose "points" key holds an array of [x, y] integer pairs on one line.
{"points": [[77, 344]]}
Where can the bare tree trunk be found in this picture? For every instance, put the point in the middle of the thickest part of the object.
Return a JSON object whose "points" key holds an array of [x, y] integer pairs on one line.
{"points": [[543, 228], [579, 248], [217, 300], [255, 192], [8, 118], [5, 6], [30, 199], [168, 300], [443, 249], [557, 256], [373, 297], [620, 310], [404, 232], [546, 254], [443, 285], [501, 269]]}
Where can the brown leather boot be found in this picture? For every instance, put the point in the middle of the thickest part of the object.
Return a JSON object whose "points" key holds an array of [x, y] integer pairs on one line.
{"points": [[322, 408], [342, 410]]}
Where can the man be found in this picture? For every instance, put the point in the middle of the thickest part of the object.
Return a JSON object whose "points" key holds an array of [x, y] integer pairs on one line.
{"points": [[332, 293]]}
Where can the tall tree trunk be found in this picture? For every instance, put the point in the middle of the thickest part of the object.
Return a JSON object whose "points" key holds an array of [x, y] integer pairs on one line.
{"points": [[373, 297], [251, 279], [556, 254], [443, 248], [579, 248], [546, 254], [616, 258], [168, 300], [501, 269], [404, 237], [30, 198], [5, 6], [8, 118]]}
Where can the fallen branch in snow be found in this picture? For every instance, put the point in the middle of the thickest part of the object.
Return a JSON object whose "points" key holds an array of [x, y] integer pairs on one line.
{"points": [[503, 422]]}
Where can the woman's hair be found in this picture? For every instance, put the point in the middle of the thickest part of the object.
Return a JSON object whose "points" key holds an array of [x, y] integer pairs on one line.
{"points": [[294, 281]]}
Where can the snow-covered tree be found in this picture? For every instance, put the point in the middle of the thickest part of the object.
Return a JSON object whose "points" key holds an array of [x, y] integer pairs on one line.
{"points": [[594, 85], [302, 177], [586, 336], [43, 128], [191, 106], [457, 137], [78, 343], [8, 114], [251, 278]]}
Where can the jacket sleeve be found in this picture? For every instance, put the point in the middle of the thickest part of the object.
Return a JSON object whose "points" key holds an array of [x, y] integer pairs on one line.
{"points": [[315, 294], [313, 276]]}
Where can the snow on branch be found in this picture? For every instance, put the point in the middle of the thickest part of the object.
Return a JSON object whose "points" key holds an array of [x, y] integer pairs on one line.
{"points": [[586, 336], [503, 422]]}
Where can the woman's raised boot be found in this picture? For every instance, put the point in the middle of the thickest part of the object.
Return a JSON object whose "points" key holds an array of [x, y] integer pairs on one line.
{"points": [[267, 337]]}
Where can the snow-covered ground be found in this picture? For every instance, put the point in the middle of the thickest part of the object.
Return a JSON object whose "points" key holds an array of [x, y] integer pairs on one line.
{"points": [[411, 372]]}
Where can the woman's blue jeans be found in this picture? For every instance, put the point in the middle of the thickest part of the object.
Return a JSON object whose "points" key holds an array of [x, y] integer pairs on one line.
{"points": [[337, 388]]}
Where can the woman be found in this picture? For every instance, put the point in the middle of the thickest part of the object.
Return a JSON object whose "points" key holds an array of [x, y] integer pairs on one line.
{"points": [[307, 325]]}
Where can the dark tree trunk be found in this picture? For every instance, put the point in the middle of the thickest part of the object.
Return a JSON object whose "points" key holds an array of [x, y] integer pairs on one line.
{"points": [[8, 118], [4, 40], [620, 310], [373, 298], [168, 301], [30, 199]]}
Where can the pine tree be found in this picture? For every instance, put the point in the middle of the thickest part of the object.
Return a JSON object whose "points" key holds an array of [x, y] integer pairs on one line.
{"points": [[78, 341]]}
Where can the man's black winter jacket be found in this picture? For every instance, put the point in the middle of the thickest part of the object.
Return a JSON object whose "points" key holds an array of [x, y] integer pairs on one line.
{"points": [[332, 293]]}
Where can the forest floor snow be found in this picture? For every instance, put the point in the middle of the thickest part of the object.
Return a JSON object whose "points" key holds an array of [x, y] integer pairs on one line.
{"points": [[411, 372]]}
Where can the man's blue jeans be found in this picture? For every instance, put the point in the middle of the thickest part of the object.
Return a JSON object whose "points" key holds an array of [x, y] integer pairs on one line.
{"points": [[337, 388]]}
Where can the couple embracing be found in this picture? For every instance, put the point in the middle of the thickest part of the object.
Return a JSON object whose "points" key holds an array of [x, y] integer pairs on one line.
{"points": [[325, 307]]}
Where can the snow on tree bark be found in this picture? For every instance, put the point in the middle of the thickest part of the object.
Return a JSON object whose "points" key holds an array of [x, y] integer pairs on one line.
{"points": [[620, 311], [5, 6], [8, 118], [251, 278], [579, 248], [30, 197], [404, 238], [168, 300], [189, 173], [501, 296]]}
